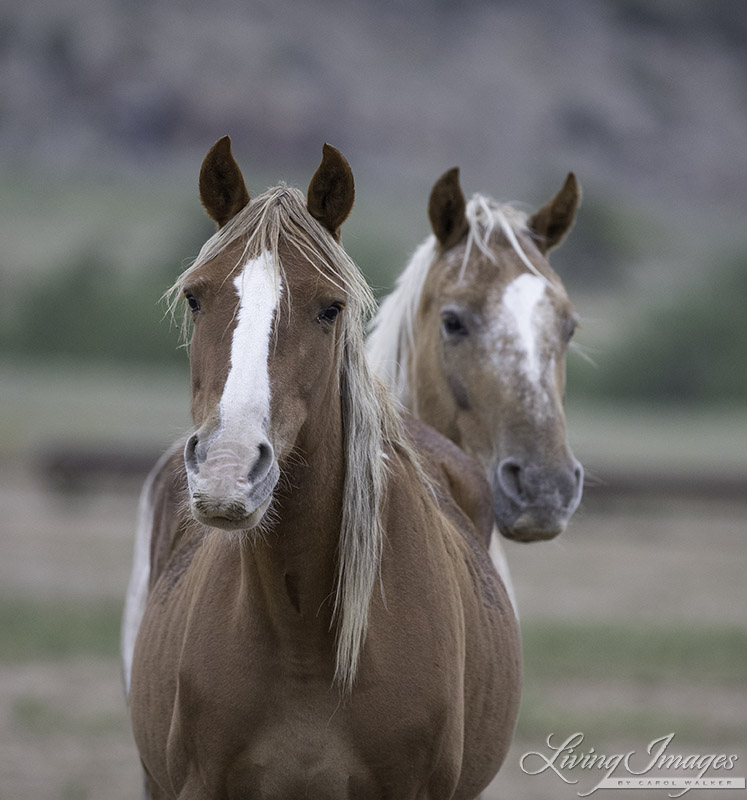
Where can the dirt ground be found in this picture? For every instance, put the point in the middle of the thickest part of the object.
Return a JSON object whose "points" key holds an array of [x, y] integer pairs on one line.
{"points": [[64, 733]]}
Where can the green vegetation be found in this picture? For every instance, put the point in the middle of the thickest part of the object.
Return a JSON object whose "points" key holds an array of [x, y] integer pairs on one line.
{"points": [[688, 350], [642, 654], [35, 629], [88, 311], [606, 239], [630, 671], [543, 713]]}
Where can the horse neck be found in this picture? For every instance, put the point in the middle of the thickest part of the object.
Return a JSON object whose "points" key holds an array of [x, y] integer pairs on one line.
{"points": [[294, 564]]}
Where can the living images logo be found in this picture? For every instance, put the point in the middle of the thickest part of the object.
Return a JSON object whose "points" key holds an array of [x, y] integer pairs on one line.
{"points": [[660, 767]]}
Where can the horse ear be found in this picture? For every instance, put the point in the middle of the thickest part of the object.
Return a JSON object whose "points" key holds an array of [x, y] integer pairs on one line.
{"points": [[553, 221], [446, 207], [222, 188], [331, 191]]}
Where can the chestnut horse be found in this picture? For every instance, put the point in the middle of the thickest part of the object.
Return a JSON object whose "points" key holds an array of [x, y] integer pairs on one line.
{"points": [[322, 619], [473, 341]]}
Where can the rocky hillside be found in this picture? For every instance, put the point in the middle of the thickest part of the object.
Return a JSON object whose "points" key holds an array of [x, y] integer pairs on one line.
{"points": [[107, 108], [641, 96]]}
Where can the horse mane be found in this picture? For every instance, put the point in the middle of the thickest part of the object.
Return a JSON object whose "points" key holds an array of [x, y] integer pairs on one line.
{"points": [[372, 423], [392, 331]]}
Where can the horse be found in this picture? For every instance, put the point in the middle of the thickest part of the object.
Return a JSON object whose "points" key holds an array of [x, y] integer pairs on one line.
{"points": [[473, 341], [322, 617]]}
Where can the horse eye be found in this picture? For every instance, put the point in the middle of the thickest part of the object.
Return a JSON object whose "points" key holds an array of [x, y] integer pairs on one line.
{"points": [[194, 303], [329, 314], [452, 325]]}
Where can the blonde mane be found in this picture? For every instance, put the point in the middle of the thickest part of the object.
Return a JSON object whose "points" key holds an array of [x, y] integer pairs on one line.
{"points": [[392, 331], [371, 420]]}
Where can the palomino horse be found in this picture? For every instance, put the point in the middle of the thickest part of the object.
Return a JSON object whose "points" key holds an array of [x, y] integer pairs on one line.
{"points": [[473, 341], [322, 618]]}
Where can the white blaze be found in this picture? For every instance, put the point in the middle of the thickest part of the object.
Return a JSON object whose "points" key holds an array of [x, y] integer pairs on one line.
{"points": [[246, 395], [520, 300]]}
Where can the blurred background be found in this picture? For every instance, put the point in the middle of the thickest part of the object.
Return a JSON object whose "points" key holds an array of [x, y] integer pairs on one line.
{"points": [[634, 622]]}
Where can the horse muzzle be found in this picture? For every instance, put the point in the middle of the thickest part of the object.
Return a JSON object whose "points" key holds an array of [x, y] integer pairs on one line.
{"points": [[535, 503], [230, 484]]}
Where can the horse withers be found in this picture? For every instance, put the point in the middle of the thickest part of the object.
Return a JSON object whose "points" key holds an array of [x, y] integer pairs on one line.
{"points": [[322, 619]]}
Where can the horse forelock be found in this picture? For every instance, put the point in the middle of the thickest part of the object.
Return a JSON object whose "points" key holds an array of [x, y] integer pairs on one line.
{"points": [[484, 215], [370, 416]]}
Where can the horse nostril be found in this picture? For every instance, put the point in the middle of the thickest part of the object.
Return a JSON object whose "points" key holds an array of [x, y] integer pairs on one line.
{"points": [[263, 464], [578, 473], [578, 487], [510, 478], [190, 454]]}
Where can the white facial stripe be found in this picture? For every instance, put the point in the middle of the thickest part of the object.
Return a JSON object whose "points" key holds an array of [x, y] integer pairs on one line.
{"points": [[246, 395], [520, 300]]}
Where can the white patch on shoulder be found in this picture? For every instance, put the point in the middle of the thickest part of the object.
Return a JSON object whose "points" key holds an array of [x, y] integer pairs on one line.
{"points": [[500, 562], [246, 395], [520, 300], [137, 589]]}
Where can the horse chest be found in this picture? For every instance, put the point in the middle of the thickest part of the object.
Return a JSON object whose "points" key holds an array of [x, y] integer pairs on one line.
{"points": [[238, 714], [277, 743]]}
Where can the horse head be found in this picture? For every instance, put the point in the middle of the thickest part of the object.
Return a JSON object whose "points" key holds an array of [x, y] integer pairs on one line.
{"points": [[474, 341], [266, 315]]}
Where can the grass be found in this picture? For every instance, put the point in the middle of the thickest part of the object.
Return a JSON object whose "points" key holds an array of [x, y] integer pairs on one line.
{"points": [[32, 630], [650, 438], [614, 682], [60, 401], [541, 715], [41, 716], [619, 683], [640, 654]]}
